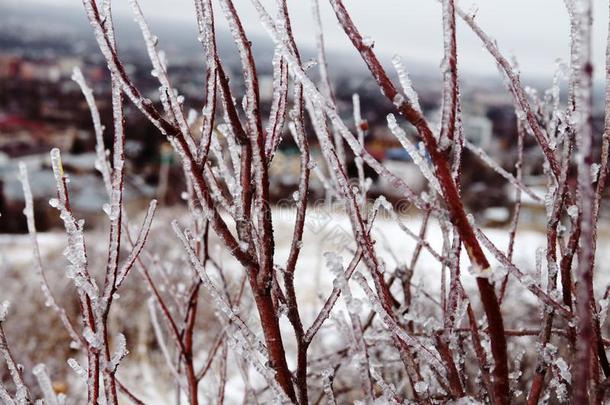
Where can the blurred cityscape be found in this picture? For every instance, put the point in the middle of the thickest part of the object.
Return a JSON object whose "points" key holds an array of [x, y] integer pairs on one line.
{"points": [[41, 107]]}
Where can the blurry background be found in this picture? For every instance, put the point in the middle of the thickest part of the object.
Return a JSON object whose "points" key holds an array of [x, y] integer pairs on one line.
{"points": [[40, 107]]}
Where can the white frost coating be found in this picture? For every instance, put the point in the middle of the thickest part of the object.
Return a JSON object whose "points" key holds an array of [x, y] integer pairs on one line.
{"points": [[278, 104], [5, 396], [405, 82], [120, 352], [246, 343], [4, 310], [168, 95], [80, 371], [101, 162], [388, 390], [320, 102], [564, 370], [92, 338], [45, 384], [327, 381], [573, 211], [334, 263], [368, 41], [498, 169], [139, 244], [29, 215], [421, 387], [75, 251], [414, 153], [391, 324]]}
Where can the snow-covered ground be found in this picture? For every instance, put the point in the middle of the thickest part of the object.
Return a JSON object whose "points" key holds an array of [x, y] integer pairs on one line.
{"points": [[324, 232]]}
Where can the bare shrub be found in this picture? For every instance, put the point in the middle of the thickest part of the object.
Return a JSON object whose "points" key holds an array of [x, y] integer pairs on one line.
{"points": [[223, 300]]}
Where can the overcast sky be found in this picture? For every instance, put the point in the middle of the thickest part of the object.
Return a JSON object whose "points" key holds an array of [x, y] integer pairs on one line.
{"points": [[535, 31]]}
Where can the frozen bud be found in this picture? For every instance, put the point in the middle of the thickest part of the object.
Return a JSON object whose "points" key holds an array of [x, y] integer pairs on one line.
{"points": [[54, 202]]}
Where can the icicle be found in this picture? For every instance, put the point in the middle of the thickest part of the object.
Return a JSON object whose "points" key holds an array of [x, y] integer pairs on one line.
{"points": [[405, 82]]}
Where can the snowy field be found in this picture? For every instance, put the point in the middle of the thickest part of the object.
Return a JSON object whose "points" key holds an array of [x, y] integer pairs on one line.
{"points": [[324, 232]]}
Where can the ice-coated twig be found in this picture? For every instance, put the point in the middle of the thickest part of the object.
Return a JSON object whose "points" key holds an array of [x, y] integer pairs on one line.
{"points": [[449, 110], [391, 324], [249, 346], [22, 394], [5, 396], [488, 160], [101, 162], [138, 245], [279, 101], [46, 290], [414, 153], [76, 251], [168, 95], [314, 96], [353, 308], [451, 198], [45, 384], [582, 81], [515, 83]]}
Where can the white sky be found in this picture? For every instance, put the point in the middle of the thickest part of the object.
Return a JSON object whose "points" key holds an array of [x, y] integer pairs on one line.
{"points": [[535, 31]]}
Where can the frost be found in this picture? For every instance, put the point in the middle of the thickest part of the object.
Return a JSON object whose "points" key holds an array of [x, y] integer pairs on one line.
{"points": [[398, 100], [421, 387], [368, 41], [414, 153], [45, 384], [595, 171], [120, 351], [4, 306], [81, 372], [573, 212], [92, 338], [564, 370]]}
